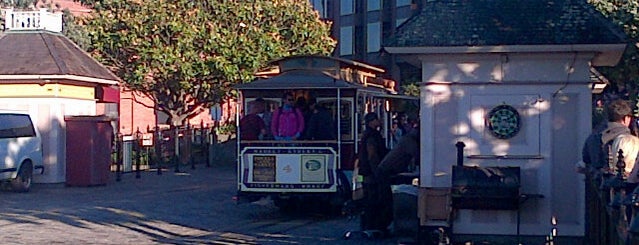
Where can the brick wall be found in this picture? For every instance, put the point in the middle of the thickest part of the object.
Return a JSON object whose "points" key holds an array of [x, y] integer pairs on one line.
{"points": [[136, 111]]}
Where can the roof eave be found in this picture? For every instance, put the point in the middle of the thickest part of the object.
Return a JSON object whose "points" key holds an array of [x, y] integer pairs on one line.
{"points": [[344, 61], [605, 54], [60, 77]]}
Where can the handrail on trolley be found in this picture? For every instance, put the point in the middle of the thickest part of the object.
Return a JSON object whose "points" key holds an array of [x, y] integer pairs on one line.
{"points": [[291, 141]]}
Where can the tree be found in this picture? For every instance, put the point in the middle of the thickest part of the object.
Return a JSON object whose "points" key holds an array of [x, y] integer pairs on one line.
{"points": [[73, 28], [186, 55], [20, 4], [625, 14]]}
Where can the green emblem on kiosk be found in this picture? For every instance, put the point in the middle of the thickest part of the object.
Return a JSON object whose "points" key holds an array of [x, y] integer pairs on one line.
{"points": [[504, 122]]}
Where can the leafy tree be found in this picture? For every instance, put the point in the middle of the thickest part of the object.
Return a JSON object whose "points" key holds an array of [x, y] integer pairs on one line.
{"points": [[411, 89], [73, 28], [626, 15], [19, 4], [186, 55]]}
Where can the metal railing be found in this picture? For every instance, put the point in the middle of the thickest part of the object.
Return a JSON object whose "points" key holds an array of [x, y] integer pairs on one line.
{"points": [[163, 148], [612, 211], [32, 20]]}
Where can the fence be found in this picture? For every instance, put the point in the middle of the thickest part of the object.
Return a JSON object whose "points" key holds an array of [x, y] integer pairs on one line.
{"points": [[163, 148], [612, 211]]}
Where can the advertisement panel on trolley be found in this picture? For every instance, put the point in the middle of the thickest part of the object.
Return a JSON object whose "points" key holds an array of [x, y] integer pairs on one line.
{"points": [[295, 169]]}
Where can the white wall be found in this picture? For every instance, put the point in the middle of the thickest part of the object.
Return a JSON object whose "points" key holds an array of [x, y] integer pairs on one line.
{"points": [[48, 115], [552, 94]]}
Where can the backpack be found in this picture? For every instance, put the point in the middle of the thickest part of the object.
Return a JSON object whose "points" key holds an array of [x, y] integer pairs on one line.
{"points": [[597, 151]]}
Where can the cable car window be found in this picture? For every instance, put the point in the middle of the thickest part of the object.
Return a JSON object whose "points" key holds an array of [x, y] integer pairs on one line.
{"points": [[345, 117]]}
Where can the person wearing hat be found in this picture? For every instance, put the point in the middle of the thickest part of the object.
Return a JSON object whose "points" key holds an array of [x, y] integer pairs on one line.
{"points": [[377, 215]]}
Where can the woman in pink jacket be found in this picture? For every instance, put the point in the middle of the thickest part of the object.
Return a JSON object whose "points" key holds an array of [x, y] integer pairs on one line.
{"points": [[287, 122]]}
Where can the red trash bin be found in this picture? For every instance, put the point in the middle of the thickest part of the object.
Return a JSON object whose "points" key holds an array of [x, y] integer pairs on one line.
{"points": [[88, 152]]}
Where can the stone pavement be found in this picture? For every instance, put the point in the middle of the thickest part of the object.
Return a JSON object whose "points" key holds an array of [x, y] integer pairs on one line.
{"points": [[191, 207], [148, 210]]}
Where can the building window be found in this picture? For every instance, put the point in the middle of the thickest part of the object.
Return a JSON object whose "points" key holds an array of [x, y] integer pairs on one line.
{"points": [[321, 6], [373, 37], [346, 7], [346, 40], [403, 3], [374, 5]]}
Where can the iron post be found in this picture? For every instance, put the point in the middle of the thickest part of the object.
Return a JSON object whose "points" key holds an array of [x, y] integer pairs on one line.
{"points": [[460, 153], [189, 143], [617, 182], [118, 156], [158, 149], [207, 145], [176, 151], [138, 139]]}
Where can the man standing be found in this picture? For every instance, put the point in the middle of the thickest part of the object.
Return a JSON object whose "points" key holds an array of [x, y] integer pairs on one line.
{"points": [[371, 152], [252, 126], [595, 150], [320, 123], [597, 157]]}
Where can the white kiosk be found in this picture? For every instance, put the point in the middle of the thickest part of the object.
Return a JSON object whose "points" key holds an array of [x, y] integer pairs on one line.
{"points": [[513, 104], [531, 111]]}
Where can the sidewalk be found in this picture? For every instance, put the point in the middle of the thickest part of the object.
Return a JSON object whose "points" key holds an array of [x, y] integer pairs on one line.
{"points": [[150, 210], [188, 207]]}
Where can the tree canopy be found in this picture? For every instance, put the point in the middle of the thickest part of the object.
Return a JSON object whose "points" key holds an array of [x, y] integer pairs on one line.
{"points": [[186, 55], [21, 4], [625, 14]]}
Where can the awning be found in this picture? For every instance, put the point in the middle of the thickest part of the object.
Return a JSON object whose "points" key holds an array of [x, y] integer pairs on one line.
{"points": [[105, 94]]}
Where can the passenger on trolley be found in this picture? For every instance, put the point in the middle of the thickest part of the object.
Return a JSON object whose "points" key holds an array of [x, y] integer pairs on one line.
{"points": [[287, 122], [252, 126], [321, 125]]}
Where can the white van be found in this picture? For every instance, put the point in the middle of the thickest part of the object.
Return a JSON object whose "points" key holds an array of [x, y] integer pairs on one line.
{"points": [[20, 150]]}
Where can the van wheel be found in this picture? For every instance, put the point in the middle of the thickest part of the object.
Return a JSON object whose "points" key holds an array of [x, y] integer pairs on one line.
{"points": [[22, 182]]}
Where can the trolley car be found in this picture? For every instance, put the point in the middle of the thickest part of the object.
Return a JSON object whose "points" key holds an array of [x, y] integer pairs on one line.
{"points": [[292, 170]]}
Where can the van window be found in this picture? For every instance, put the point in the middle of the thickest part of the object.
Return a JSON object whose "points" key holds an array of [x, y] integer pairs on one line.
{"points": [[16, 125]]}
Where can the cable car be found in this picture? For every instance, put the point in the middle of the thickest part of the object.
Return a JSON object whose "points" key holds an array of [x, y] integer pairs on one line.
{"points": [[291, 170]]}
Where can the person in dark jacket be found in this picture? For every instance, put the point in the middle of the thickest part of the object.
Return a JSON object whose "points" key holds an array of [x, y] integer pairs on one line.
{"points": [[320, 124], [399, 158], [252, 125], [377, 194]]}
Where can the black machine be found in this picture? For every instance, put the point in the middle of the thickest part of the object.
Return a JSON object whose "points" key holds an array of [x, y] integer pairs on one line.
{"points": [[489, 188]]}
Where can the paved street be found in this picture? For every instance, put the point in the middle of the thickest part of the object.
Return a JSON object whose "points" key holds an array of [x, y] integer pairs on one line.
{"points": [[193, 207]]}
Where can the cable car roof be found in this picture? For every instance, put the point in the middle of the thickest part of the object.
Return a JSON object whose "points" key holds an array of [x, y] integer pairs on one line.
{"points": [[299, 79]]}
